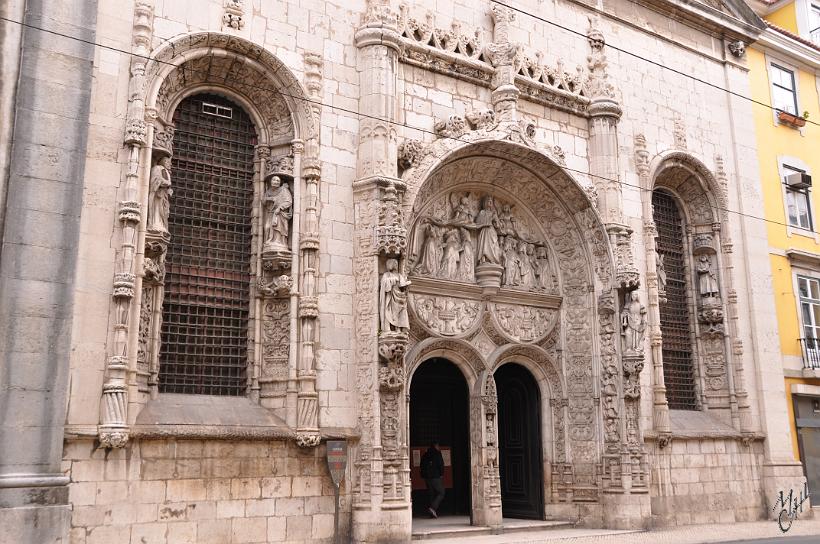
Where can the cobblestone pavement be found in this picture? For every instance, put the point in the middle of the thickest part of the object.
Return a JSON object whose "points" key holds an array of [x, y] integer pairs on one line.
{"points": [[690, 534]]}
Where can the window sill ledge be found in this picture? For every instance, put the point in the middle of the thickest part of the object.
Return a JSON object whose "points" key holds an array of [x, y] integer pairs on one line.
{"points": [[208, 417], [693, 425]]}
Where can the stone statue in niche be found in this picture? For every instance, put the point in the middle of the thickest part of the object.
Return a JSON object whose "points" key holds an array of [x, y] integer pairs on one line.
{"points": [[660, 268], [487, 221], [707, 278], [633, 321], [159, 193], [278, 202], [393, 299]]}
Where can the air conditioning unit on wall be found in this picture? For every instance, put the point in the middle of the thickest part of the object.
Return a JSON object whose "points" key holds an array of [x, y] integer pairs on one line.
{"points": [[798, 180]]}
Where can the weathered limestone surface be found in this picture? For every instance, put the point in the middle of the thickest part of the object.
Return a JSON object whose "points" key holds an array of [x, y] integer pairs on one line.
{"points": [[43, 201]]}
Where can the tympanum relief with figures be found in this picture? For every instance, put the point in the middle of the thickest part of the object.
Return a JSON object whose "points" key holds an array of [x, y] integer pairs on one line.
{"points": [[472, 253]]}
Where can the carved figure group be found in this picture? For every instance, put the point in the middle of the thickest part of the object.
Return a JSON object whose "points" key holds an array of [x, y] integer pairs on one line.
{"points": [[707, 278], [393, 299], [633, 320], [278, 202], [451, 249], [159, 193]]}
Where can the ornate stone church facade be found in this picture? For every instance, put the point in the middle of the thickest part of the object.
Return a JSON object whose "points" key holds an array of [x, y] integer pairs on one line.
{"points": [[299, 221]]}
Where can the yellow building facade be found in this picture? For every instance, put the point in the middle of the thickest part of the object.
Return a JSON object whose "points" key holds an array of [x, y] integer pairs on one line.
{"points": [[785, 74]]}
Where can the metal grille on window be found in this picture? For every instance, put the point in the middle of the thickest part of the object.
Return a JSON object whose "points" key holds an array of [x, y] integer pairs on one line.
{"points": [[676, 325], [207, 284]]}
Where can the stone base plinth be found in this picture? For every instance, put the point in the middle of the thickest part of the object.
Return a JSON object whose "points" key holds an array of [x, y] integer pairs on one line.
{"points": [[489, 275], [382, 526], [40, 524], [625, 511]]}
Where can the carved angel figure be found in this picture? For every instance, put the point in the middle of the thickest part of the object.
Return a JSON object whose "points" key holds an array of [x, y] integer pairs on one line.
{"points": [[707, 279], [506, 222], [487, 221], [462, 208], [393, 299], [278, 211], [159, 193], [634, 324]]}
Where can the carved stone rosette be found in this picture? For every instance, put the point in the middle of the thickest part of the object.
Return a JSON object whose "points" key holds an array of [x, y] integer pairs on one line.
{"points": [[113, 428]]}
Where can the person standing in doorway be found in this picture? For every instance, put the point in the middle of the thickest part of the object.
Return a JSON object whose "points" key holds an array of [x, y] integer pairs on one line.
{"points": [[432, 470]]}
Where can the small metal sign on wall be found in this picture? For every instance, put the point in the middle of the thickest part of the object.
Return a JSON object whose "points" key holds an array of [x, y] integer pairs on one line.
{"points": [[336, 462]]}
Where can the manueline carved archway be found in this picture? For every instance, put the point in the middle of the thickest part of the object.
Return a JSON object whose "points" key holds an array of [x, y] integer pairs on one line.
{"points": [[540, 305]]}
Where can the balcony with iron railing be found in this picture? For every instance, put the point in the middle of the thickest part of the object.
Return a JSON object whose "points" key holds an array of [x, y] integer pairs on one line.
{"points": [[811, 353]]}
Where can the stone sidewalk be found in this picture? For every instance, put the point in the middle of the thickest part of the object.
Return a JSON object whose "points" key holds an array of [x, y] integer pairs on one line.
{"points": [[689, 534]]}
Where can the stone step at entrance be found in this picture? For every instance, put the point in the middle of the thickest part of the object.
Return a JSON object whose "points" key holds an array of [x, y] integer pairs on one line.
{"points": [[450, 527]]}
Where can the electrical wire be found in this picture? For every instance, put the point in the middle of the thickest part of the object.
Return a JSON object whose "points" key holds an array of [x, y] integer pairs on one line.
{"points": [[396, 123]]}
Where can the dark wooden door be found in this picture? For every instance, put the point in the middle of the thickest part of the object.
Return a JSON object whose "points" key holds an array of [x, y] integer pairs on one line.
{"points": [[519, 441], [439, 411]]}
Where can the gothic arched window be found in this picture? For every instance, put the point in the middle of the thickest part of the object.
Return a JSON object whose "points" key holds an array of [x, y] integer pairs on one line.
{"points": [[204, 335], [675, 319]]}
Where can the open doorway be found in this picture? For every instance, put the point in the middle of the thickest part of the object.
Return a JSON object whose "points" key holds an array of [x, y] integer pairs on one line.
{"points": [[439, 411], [519, 443]]}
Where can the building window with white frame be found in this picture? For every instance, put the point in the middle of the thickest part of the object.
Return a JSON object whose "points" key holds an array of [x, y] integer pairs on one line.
{"points": [[814, 23], [784, 91], [797, 202], [809, 296]]}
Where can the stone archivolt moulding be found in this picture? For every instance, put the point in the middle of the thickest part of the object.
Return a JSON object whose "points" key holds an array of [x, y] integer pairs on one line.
{"points": [[464, 56]]}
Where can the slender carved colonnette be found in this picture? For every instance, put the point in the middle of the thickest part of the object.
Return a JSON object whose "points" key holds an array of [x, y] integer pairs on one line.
{"points": [[113, 429]]}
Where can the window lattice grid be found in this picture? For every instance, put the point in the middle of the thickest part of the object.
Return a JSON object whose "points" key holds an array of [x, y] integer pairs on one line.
{"points": [[676, 324], [207, 283]]}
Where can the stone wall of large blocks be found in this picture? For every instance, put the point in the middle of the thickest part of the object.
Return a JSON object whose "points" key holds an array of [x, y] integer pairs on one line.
{"points": [[707, 481], [200, 492]]}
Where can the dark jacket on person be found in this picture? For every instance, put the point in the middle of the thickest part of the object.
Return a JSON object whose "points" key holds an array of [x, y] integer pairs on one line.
{"points": [[432, 464]]}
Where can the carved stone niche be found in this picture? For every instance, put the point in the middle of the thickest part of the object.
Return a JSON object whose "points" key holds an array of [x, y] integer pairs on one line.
{"points": [[392, 347], [391, 234], [277, 201], [627, 274], [163, 145], [703, 242]]}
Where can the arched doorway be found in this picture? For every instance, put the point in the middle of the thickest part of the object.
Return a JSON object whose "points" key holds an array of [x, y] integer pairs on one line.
{"points": [[519, 443], [439, 411]]}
